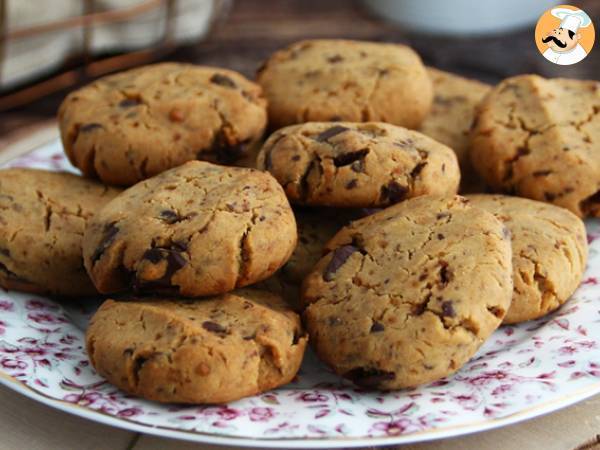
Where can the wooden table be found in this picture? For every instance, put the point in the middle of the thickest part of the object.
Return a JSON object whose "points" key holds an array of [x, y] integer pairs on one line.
{"points": [[254, 29]]}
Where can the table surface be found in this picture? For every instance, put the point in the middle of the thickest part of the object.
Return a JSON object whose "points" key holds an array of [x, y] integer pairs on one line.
{"points": [[253, 30]]}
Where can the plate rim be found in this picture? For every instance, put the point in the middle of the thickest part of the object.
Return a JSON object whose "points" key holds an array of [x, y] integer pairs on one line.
{"points": [[315, 443], [49, 134]]}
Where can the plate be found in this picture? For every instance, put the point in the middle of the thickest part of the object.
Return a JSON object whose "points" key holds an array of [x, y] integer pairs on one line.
{"points": [[521, 372]]}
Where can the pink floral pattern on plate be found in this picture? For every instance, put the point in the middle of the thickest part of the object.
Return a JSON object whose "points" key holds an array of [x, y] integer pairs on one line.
{"points": [[520, 367]]}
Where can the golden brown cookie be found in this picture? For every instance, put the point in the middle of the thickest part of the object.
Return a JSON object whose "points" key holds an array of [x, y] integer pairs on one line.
{"points": [[407, 295], [538, 138], [198, 229], [354, 81], [42, 218], [126, 127], [357, 164], [549, 248], [214, 350], [449, 120]]}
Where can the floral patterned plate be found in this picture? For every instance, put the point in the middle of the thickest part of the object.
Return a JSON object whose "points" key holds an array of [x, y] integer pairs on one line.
{"points": [[521, 372]]}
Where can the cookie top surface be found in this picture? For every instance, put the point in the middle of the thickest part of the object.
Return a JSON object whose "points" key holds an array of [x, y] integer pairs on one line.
{"points": [[213, 350], [357, 164], [332, 80], [135, 124], [549, 248], [398, 301], [538, 138], [198, 229], [449, 120], [42, 217]]}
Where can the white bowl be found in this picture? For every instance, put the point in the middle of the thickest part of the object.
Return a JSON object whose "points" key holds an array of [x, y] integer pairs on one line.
{"points": [[467, 17]]}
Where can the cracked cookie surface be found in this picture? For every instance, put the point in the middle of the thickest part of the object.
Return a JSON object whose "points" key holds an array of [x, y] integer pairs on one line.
{"points": [[42, 217], [538, 138], [214, 350], [451, 116], [549, 253], [329, 80], [407, 295], [198, 229], [126, 127], [357, 164]]}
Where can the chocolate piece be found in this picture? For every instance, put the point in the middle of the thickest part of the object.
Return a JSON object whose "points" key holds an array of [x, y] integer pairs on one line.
{"points": [[169, 216], [393, 192], [340, 255], [377, 327], [352, 184], [348, 158], [213, 327], [448, 309], [89, 127], [110, 232], [369, 378], [335, 59], [222, 80], [129, 102], [330, 132]]}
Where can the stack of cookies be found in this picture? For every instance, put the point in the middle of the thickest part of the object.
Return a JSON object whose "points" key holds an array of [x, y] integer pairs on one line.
{"points": [[211, 277]]}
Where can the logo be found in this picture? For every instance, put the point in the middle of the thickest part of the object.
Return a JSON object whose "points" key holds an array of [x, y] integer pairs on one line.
{"points": [[564, 35]]}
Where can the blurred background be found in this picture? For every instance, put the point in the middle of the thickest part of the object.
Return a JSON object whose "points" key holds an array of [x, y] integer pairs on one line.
{"points": [[49, 47]]}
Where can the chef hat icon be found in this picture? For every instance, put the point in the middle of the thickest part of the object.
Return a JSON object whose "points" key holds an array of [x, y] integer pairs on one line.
{"points": [[572, 20]]}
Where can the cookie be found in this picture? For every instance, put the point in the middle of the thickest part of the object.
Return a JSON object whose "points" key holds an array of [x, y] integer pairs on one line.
{"points": [[130, 126], [335, 80], [397, 300], [538, 138], [198, 229], [549, 248], [42, 218], [449, 120], [357, 164], [214, 350], [315, 227]]}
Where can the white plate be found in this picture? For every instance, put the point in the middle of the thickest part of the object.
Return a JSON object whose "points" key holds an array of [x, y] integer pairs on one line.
{"points": [[521, 372]]}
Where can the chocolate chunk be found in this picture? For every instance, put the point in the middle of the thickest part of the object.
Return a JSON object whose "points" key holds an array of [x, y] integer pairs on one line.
{"points": [[377, 327], [332, 320], [108, 237], [417, 169], [440, 236], [335, 59], [446, 274], [351, 184], [448, 309], [169, 216], [330, 132], [296, 158], [224, 151], [549, 196], [542, 173], [340, 255], [496, 311], [442, 215], [213, 327], [222, 80], [175, 261], [90, 127], [393, 192], [129, 102], [348, 158], [369, 378], [5, 252]]}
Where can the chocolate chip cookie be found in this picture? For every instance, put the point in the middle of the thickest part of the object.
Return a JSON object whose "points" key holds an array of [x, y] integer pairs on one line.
{"points": [[538, 138], [130, 126], [42, 218], [549, 248], [215, 350], [450, 118], [407, 295], [334, 80], [198, 229], [357, 164]]}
